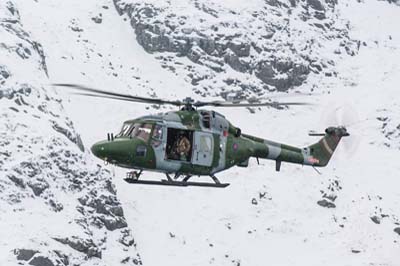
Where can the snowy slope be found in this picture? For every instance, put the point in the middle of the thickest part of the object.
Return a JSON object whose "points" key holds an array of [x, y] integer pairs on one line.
{"points": [[264, 217]]}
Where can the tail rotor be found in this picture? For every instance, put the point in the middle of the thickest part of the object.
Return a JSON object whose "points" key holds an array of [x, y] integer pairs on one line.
{"points": [[346, 117]]}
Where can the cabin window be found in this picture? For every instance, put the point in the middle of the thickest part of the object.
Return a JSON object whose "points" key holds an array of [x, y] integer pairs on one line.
{"points": [[142, 131], [206, 119], [141, 151], [156, 138], [205, 144]]}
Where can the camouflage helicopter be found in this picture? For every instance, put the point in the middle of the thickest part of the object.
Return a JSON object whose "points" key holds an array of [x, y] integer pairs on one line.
{"points": [[197, 142]]}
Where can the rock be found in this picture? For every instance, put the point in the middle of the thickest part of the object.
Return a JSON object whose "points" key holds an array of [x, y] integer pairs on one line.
{"points": [[19, 182], [41, 261], [355, 251], [62, 257], [113, 223], [316, 4], [38, 186], [206, 44], [117, 211], [234, 62], [127, 238], [325, 203], [82, 245], [94, 252], [195, 54], [56, 206], [4, 72], [75, 138], [397, 230], [98, 19], [376, 219], [103, 204], [25, 254], [23, 51], [126, 260], [265, 71], [254, 201], [240, 49]]}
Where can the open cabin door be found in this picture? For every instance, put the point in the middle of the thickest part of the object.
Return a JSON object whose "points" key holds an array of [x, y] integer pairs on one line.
{"points": [[203, 148]]}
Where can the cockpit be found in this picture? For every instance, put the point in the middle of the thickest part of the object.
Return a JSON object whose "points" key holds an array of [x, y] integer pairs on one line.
{"points": [[136, 130], [143, 131]]}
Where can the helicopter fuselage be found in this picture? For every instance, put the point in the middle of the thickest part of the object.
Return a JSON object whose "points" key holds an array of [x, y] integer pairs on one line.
{"points": [[151, 143]]}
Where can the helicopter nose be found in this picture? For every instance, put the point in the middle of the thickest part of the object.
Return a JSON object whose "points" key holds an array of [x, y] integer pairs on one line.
{"points": [[117, 151], [99, 150]]}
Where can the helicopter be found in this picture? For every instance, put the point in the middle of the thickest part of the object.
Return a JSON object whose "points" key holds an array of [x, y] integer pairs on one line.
{"points": [[197, 142]]}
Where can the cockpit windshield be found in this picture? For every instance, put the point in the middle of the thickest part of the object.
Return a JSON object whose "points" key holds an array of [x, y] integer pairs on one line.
{"points": [[125, 131]]}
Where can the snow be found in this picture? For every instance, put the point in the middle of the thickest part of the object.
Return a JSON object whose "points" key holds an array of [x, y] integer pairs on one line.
{"points": [[199, 226]]}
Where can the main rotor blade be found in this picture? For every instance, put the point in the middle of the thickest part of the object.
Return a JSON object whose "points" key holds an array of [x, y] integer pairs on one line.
{"points": [[232, 104], [116, 96]]}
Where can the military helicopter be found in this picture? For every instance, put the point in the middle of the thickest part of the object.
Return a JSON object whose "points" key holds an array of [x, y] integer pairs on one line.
{"points": [[197, 142]]}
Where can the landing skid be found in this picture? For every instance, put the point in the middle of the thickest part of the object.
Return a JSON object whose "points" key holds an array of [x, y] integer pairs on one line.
{"points": [[170, 182]]}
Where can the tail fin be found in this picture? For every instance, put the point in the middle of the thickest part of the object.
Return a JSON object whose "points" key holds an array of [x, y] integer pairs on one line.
{"points": [[322, 151]]}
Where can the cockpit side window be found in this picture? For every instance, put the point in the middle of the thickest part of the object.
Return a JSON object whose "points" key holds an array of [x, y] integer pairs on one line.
{"points": [[142, 131]]}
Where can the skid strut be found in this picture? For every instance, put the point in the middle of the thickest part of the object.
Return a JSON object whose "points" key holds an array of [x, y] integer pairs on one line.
{"points": [[133, 178]]}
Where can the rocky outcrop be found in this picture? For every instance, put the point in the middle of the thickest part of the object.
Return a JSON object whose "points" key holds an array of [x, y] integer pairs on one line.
{"points": [[267, 44]]}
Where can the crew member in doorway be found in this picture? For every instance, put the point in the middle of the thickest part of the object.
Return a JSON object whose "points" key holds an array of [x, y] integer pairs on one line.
{"points": [[183, 148]]}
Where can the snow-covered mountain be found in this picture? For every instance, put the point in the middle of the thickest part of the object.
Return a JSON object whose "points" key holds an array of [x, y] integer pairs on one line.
{"points": [[61, 206], [58, 206]]}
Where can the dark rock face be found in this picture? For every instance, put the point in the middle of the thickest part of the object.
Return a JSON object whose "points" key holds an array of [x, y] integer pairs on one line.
{"points": [[397, 230], [25, 254], [260, 43]]}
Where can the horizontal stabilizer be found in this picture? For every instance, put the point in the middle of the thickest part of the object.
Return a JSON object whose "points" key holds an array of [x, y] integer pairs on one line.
{"points": [[312, 133]]}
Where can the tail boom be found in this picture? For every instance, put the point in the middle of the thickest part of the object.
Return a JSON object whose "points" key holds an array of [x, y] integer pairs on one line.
{"points": [[317, 154]]}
